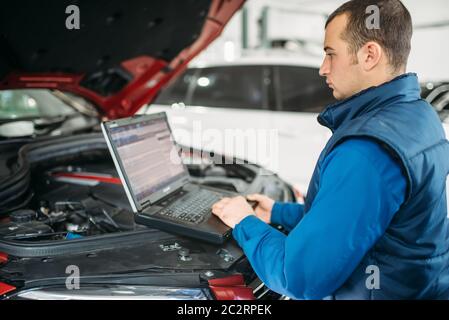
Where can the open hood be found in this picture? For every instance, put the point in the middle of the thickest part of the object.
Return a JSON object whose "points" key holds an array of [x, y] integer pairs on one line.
{"points": [[123, 53]]}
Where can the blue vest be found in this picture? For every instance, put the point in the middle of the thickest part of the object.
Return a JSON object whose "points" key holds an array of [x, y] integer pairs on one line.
{"points": [[413, 255]]}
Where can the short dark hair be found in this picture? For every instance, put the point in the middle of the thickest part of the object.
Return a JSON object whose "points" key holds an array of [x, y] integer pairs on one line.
{"points": [[394, 34]]}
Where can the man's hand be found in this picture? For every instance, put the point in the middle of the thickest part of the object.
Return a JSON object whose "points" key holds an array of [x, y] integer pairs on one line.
{"points": [[264, 206], [232, 210]]}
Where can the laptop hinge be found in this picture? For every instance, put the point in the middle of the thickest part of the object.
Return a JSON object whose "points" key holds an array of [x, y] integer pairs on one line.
{"points": [[148, 203]]}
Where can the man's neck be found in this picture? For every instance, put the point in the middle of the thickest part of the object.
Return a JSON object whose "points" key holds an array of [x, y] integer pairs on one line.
{"points": [[380, 78]]}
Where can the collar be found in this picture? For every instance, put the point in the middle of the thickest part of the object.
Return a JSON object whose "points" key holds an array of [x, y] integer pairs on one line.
{"points": [[402, 88]]}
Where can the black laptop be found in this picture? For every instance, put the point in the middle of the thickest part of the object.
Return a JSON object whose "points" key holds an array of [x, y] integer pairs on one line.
{"points": [[157, 182]]}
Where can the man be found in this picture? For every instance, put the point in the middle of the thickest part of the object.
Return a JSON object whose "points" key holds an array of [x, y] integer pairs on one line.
{"points": [[374, 224]]}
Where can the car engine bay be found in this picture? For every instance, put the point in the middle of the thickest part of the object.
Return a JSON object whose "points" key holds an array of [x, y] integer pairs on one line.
{"points": [[67, 188], [62, 201]]}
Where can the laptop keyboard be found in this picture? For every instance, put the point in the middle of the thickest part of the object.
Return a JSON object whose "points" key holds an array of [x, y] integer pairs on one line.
{"points": [[193, 208]]}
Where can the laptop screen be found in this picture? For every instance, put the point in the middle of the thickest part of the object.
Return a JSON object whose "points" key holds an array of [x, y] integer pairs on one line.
{"points": [[148, 154]]}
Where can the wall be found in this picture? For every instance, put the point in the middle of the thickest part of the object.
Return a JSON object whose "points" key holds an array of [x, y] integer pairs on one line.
{"points": [[304, 19]]}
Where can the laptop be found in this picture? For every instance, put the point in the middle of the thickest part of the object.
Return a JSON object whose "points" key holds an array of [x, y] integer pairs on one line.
{"points": [[157, 182]]}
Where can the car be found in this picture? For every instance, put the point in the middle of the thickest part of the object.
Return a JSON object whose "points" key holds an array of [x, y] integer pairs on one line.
{"points": [[66, 228], [266, 101], [265, 90], [41, 112], [437, 94]]}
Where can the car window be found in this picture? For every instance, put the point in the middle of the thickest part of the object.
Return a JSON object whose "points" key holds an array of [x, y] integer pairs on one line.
{"points": [[229, 87], [31, 103], [176, 91], [302, 89]]}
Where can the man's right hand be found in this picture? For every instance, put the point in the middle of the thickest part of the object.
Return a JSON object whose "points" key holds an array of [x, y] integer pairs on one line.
{"points": [[264, 206]]}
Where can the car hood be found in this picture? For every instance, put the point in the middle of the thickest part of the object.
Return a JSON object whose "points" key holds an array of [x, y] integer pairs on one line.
{"points": [[121, 56]]}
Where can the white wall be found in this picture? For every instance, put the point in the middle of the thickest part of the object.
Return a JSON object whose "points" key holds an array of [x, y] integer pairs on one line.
{"points": [[430, 47]]}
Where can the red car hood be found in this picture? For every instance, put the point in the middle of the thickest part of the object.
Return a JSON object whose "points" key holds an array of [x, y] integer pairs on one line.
{"points": [[123, 53]]}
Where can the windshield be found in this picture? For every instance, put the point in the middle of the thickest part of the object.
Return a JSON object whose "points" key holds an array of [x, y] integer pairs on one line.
{"points": [[31, 103]]}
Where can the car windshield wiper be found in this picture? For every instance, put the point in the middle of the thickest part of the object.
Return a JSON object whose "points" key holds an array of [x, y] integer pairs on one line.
{"points": [[47, 125], [49, 121], [8, 120], [84, 110], [40, 120]]}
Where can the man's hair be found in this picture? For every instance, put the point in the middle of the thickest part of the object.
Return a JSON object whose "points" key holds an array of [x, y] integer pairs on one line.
{"points": [[394, 34]]}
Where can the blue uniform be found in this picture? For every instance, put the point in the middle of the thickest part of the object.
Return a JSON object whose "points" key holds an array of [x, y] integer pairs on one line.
{"points": [[362, 187], [376, 201]]}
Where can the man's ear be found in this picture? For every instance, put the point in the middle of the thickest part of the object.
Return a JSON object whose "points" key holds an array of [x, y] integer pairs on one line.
{"points": [[370, 55]]}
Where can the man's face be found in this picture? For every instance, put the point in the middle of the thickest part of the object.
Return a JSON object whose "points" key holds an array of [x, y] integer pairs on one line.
{"points": [[343, 74]]}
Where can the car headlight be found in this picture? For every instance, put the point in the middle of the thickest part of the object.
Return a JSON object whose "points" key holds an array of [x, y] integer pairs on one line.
{"points": [[115, 292]]}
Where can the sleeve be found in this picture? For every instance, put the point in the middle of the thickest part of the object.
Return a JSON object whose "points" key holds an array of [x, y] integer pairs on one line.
{"points": [[287, 214], [361, 190]]}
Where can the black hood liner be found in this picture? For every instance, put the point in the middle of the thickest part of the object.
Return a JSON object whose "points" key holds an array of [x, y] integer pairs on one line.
{"points": [[34, 37]]}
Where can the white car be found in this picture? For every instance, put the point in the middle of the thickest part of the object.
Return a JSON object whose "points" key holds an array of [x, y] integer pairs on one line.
{"points": [[261, 107], [275, 92]]}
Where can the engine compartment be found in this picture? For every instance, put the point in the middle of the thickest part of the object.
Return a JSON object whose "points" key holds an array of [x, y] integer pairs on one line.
{"points": [[61, 203], [74, 192]]}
